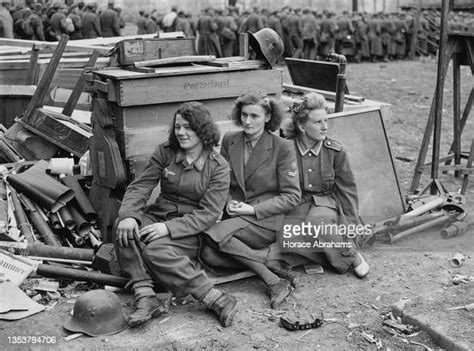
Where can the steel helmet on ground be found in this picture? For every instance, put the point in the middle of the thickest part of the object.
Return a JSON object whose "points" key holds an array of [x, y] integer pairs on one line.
{"points": [[97, 312]]}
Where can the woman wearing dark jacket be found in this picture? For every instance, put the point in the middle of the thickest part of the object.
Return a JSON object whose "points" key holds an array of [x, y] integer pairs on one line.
{"points": [[263, 186]]}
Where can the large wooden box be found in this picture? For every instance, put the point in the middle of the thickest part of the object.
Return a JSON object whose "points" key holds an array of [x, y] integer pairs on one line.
{"points": [[128, 88], [133, 50]]}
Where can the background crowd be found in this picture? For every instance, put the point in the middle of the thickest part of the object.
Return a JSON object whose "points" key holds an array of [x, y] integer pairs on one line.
{"points": [[306, 33]]}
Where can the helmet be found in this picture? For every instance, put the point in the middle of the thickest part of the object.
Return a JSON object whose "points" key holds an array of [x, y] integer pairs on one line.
{"points": [[267, 43], [97, 312]]}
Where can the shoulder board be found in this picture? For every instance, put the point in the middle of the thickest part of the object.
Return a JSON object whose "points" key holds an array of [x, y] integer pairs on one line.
{"points": [[218, 157], [333, 144]]}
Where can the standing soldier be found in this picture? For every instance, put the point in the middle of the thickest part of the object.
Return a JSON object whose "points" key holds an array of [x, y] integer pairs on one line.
{"points": [[208, 43], [150, 25], [109, 22], [141, 22], [295, 33], [375, 39], [183, 25], [76, 21], [91, 23], [60, 24], [400, 40], [253, 23], [362, 40], [169, 20], [310, 34], [388, 33], [328, 34], [228, 35], [345, 31], [285, 26]]}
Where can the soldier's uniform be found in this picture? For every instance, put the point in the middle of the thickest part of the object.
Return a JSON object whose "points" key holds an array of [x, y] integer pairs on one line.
{"points": [[329, 195], [191, 199]]}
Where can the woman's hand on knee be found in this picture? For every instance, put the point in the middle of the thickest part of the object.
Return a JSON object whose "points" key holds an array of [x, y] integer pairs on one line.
{"points": [[152, 232], [126, 230]]}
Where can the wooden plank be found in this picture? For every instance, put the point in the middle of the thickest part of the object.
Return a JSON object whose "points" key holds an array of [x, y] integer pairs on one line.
{"points": [[130, 51], [51, 46], [43, 86], [17, 90], [77, 91], [66, 135], [43, 55], [142, 142], [327, 94], [240, 64], [32, 73], [198, 86], [175, 60], [144, 116]]}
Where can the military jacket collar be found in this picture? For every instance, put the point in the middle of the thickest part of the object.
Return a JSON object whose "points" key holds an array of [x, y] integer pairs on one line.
{"points": [[304, 150], [198, 164]]}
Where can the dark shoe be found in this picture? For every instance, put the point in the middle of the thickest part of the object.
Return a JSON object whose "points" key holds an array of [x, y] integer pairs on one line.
{"points": [[287, 274], [146, 308], [360, 265], [225, 308], [279, 292]]}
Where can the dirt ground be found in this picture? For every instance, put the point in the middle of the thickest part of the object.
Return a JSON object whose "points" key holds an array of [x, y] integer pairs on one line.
{"points": [[415, 268]]}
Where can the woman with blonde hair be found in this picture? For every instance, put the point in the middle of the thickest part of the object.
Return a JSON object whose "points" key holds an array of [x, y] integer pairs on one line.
{"points": [[329, 191]]}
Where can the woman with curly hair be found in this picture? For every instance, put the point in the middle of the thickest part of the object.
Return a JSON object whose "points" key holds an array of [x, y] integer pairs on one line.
{"points": [[160, 241], [329, 191], [263, 186]]}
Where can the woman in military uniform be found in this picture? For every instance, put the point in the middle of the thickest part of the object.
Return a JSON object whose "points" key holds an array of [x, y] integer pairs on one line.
{"points": [[263, 186], [160, 241], [329, 192]]}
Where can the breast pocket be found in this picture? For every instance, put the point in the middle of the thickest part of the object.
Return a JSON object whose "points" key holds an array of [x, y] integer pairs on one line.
{"points": [[170, 178]]}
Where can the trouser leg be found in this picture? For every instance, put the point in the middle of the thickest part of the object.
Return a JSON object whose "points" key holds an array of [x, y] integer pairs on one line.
{"points": [[131, 262], [341, 259], [171, 262]]}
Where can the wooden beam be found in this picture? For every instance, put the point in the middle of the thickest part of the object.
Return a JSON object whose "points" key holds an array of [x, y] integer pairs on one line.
{"points": [[43, 86]]}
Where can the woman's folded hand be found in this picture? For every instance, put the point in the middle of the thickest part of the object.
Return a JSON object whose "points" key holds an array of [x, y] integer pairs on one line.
{"points": [[153, 232]]}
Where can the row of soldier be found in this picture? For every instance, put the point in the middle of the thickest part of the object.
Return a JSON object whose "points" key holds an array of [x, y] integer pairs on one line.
{"points": [[306, 33], [310, 34], [49, 22]]}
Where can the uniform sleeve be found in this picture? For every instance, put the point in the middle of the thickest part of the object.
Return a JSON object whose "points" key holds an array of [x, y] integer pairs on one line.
{"points": [[139, 191], [288, 180], [346, 187], [210, 206]]}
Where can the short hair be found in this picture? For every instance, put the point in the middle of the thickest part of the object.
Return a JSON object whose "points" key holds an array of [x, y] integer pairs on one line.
{"points": [[300, 112], [200, 121], [270, 105]]}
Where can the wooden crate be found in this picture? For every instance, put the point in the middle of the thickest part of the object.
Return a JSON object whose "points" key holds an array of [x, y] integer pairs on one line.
{"points": [[49, 125], [13, 101], [133, 50], [139, 143], [128, 88]]}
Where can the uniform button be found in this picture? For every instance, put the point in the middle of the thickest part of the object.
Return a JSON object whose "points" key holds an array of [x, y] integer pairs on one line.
{"points": [[310, 170], [310, 186]]}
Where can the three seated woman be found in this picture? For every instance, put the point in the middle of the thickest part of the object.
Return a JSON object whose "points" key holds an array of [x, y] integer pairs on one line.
{"points": [[259, 180]]}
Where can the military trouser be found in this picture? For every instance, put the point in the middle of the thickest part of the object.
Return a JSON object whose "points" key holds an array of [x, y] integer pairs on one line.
{"points": [[167, 261]]}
